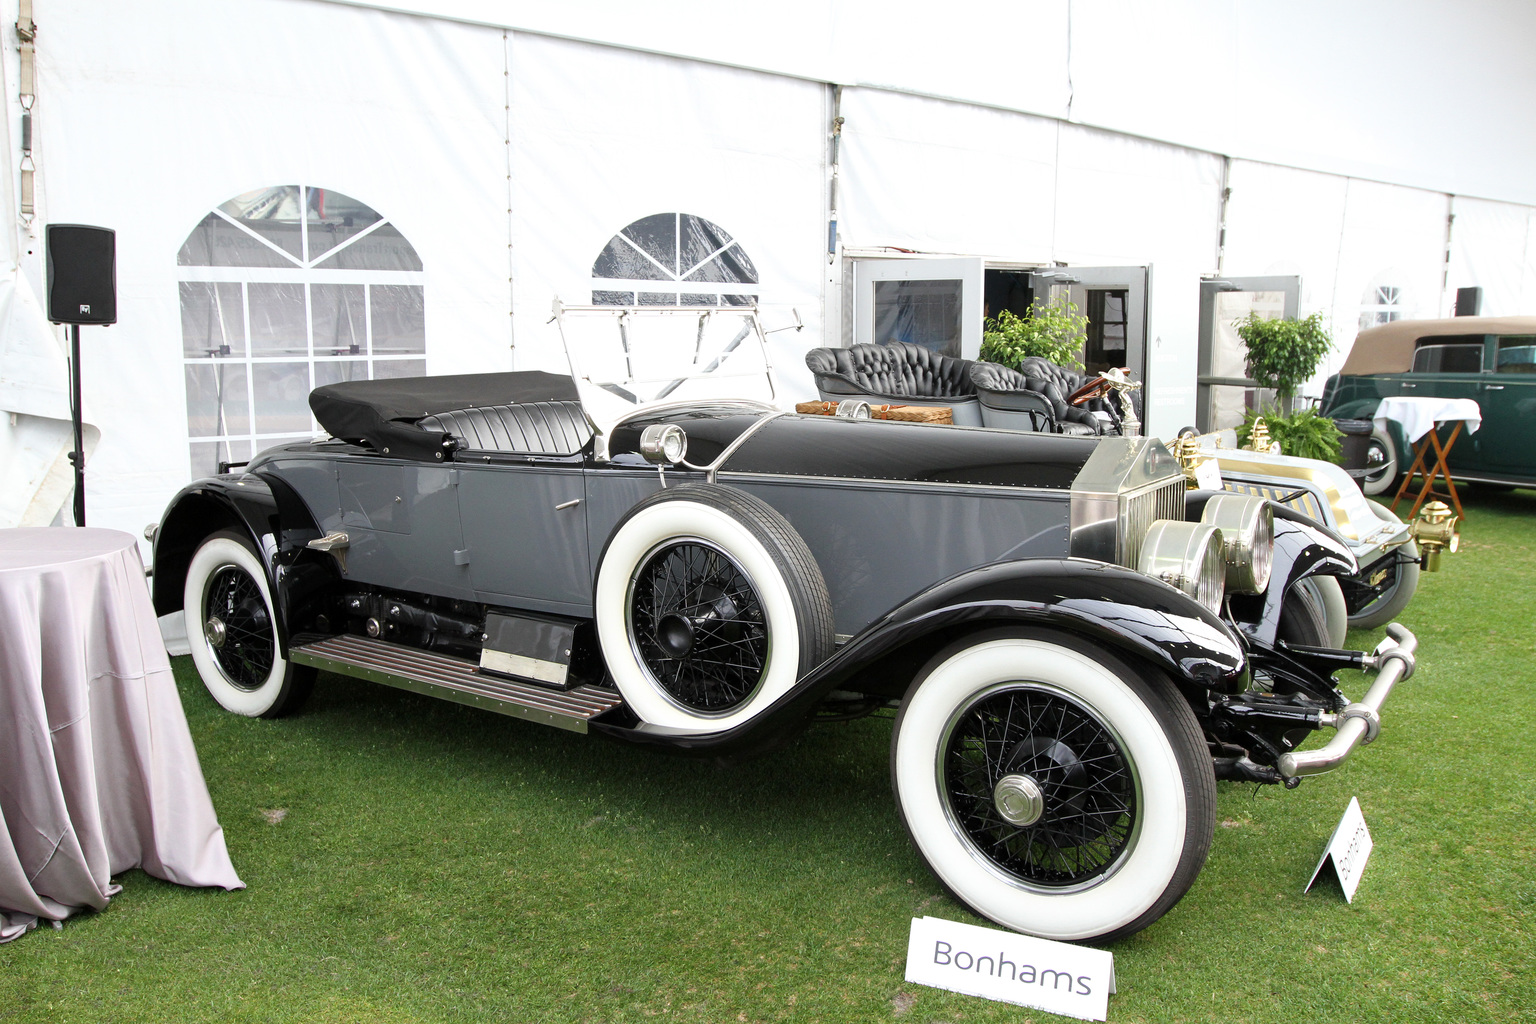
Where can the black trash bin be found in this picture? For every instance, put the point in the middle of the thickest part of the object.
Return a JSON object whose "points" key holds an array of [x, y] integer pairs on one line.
{"points": [[1354, 446]]}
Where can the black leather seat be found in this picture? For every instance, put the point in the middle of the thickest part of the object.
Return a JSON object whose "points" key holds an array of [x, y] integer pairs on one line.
{"points": [[898, 373], [548, 428], [1035, 398]]}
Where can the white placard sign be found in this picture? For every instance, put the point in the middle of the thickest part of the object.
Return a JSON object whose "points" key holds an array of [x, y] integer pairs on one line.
{"points": [[1208, 475], [1072, 980], [1347, 851]]}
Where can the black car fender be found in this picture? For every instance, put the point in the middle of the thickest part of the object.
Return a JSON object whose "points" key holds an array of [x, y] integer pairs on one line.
{"points": [[1133, 614], [1303, 548], [272, 519]]}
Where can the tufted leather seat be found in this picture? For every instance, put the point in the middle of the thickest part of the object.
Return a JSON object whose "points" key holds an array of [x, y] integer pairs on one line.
{"points": [[550, 428], [898, 373], [1034, 399]]}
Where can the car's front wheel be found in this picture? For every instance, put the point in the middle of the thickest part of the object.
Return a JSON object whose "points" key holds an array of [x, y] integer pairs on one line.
{"points": [[233, 632], [1315, 613], [1384, 467], [709, 608], [1051, 787], [1400, 584]]}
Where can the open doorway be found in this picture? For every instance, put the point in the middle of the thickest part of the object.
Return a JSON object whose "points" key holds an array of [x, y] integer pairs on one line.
{"points": [[942, 304]]}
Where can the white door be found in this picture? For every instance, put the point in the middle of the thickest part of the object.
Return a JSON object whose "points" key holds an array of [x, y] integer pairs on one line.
{"points": [[1115, 301], [932, 303], [1224, 392]]}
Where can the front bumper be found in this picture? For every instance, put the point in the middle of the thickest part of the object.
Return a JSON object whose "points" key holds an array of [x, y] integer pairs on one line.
{"points": [[1358, 723]]}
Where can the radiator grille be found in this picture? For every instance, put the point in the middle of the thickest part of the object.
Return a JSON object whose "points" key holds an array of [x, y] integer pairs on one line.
{"points": [[1304, 502], [1140, 509]]}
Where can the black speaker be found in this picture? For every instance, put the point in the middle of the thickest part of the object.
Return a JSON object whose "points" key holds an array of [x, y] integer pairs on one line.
{"points": [[82, 274], [1468, 301]]}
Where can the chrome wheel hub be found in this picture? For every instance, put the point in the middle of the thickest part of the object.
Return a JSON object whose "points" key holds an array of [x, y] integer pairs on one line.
{"points": [[1018, 799], [213, 631]]}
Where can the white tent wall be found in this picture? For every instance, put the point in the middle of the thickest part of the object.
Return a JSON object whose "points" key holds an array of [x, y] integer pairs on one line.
{"points": [[943, 177], [1491, 249], [1127, 201], [149, 117], [1282, 221], [1414, 92], [604, 137], [1392, 248]]}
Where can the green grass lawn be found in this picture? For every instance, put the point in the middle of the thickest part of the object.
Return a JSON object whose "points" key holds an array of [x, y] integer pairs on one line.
{"points": [[414, 860]]}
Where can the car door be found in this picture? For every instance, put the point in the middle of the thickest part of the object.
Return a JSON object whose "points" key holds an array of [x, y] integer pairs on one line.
{"points": [[525, 533], [1508, 400], [402, 521], [1452, 367]]}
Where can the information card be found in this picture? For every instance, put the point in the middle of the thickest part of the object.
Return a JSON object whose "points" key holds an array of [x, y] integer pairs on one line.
{"points": [[1347, 851], [1055, 976]]}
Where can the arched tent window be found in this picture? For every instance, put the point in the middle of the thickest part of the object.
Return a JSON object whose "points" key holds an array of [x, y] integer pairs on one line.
{"points": [[673, 259], [1381, 304], [282, 290]]}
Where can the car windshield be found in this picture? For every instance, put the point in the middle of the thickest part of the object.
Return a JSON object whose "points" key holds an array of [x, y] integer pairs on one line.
{"points": [[626, 358]]}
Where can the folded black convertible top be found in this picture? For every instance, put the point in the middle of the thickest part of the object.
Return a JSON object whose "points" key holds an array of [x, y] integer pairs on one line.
{"points": [[383, 413]]}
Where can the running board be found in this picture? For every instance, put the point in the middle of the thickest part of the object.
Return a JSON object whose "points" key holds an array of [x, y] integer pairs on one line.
{"points": [[455, 679]]}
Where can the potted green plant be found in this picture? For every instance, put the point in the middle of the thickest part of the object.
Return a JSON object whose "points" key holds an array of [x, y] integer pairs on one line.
{"points": [[1054, 331], [1283, 355]]}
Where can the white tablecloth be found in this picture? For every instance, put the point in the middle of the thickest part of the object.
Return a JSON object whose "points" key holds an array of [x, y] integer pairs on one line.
{"points": [[97, 769], [1419, 415]]}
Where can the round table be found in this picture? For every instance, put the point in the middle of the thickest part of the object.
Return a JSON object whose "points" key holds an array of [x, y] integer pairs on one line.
{"points": [[98, 773]]}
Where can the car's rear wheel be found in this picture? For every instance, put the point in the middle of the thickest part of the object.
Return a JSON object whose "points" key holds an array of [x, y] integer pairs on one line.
{"points": [[1384, 466], [1399, 586], [1051, 787], [233, 632], [709, 607]]}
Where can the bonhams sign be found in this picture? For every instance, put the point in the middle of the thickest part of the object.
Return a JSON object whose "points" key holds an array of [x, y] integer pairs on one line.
{"points": [[1055, 976]]}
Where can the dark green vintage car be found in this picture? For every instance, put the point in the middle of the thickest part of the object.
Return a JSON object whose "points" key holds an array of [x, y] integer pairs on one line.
{"points": [[1491, 360]]}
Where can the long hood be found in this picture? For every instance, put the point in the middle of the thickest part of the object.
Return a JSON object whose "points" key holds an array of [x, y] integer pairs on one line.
{"points": [[848, 449]]}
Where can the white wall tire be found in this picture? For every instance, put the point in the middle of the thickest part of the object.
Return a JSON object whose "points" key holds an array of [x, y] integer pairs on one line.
{"points": [[1384, 462], [709, 608], [1156, 809], [232, 629], [1328, 615], [1397, 594]]}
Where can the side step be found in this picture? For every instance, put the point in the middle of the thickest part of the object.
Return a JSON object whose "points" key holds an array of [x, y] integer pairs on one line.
{"points": [[455, 679]]}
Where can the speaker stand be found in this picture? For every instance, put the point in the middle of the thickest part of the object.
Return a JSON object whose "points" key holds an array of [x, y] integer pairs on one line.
{"points": [[77, 457]]}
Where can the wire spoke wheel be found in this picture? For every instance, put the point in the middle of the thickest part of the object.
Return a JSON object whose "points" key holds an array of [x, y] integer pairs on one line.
{"points": [[236, 625], [1052, 786], [1030, 738], [233, 631], [698, 626], [709, 608]]}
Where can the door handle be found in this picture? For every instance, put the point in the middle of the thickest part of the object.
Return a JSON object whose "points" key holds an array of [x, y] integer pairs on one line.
{"points": [[1493, 387]]}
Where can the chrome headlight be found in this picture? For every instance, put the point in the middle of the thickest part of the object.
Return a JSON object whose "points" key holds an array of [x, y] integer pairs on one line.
{"points": [[663, 442], [1188, 556], [1247, 526]]}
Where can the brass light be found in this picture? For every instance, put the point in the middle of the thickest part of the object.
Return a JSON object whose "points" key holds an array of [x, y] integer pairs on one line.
{"points": [[1434, 530]]}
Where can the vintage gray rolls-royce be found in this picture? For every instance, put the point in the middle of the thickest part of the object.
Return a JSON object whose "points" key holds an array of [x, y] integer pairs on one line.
{"points": [[1076, 645]]}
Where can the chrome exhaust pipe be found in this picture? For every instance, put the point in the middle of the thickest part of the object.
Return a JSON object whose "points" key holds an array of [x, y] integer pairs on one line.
{"points": [[1361, 722]]}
